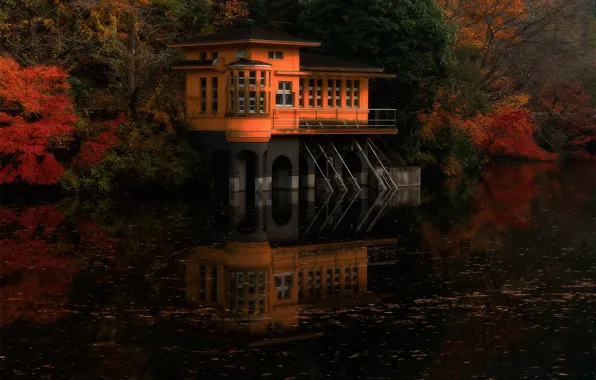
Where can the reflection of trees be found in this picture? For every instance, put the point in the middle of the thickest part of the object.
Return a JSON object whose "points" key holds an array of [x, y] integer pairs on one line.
{"points": [[518, 262], [502, 200], [36, 274]]}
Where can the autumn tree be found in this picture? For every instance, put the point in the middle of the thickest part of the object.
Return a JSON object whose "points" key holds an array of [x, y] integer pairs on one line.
{"points": [[38, 119]]}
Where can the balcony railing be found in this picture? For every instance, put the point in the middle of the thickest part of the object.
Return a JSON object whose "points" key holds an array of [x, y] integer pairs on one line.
{"points": [[342, 118]]}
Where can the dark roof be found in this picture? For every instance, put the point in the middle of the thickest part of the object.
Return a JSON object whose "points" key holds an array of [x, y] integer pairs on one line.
{"points": [[243, 34], [248, 62], [196, 62], [317, 60]]}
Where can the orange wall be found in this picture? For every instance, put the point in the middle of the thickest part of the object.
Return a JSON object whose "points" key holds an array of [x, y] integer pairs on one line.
{"points": [[256, 127]]}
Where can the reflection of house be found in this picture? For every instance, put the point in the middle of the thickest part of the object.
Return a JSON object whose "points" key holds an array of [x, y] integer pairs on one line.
{"points": [[259, 290], [266, 112]]}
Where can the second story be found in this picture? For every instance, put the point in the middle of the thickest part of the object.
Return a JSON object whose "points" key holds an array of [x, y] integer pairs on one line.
{"points": [[251, 80]]}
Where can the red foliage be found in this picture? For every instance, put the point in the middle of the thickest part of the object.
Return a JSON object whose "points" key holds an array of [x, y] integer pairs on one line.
{"points": [[37, 276], [44, 118], [94, 150], [508, 132]]}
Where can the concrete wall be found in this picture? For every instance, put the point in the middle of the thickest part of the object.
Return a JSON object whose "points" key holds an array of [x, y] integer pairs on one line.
{"points": [[405, 175]]}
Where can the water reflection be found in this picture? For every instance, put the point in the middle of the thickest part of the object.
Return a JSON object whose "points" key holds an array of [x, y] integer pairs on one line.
{"points": [[490, 278], [259, 291], [289, 217]]}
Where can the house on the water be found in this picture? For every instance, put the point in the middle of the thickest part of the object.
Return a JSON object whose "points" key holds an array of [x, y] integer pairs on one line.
{"points": [[272, 117]]}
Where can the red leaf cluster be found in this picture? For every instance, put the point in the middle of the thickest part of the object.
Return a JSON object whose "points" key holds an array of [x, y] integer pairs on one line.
{"points": [[94, 150], [41, 115], [507, 132]]}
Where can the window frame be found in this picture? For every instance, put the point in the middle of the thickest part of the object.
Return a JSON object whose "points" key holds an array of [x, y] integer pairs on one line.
{"points": [[284, 92], [275, 55]]}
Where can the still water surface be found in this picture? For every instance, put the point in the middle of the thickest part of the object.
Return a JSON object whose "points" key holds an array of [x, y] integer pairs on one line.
{"points": [[478, 279]]}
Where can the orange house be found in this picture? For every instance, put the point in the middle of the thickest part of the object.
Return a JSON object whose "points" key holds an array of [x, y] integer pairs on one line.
{"points": [[255, 98]]}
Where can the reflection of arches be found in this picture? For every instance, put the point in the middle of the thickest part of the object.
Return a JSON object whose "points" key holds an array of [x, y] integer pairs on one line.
{"points": [[282, 173], [220, 170], [303, 170], [247, 170], [281, 211], [353, 162], [322, 163]]}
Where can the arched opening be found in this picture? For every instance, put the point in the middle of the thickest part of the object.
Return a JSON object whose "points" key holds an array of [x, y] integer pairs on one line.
{"points": [[319, 178], [282, 173], [247, 165], [353, 163], [281, 207], [220, 171]]}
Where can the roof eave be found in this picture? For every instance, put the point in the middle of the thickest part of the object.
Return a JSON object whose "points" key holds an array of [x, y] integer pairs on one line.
{"points": [[350, 69], [256, 41]]}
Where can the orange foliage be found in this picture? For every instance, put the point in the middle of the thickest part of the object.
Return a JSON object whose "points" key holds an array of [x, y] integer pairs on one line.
{"points": [[228, 11], [483, 22], [42, 117]]}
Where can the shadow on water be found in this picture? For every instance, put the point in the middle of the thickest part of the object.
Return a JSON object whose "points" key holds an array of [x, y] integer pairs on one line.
{"points": [[491, 279]]}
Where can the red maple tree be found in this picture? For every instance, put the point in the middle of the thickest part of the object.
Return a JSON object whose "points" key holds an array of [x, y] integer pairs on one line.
{"points": [[38, 115]]}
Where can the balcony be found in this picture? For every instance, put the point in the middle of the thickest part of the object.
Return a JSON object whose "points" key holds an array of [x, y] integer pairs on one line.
{"points": [[333, 121]]}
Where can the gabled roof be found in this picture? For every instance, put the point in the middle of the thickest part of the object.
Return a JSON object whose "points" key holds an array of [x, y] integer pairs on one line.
{"points": [[309, 61], [245, 34]]}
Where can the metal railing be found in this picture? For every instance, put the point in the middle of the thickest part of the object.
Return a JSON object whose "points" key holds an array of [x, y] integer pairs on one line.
{"points": [[347, 118]]}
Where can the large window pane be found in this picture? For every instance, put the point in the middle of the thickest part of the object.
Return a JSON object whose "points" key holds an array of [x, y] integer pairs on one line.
{"points": [[214, 95]]}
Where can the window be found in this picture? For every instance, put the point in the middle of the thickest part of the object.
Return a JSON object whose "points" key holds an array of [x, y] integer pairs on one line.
{"points": [[301, 93], [241, 102], [262, 104], [311, 100], [241, 79], [319, 93], [203, 56], [356, 90], [284, 96], [337, 94], [252, 76], [252, 102], [241, 53], [203, 94], [330, 93], [283, 285], [231, 105], [348, 93], [276, 55], [263, 77], [214, 55], [215, 96]]}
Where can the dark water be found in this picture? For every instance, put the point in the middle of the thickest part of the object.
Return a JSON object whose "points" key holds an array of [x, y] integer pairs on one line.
{"points": [[490, 279]]}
